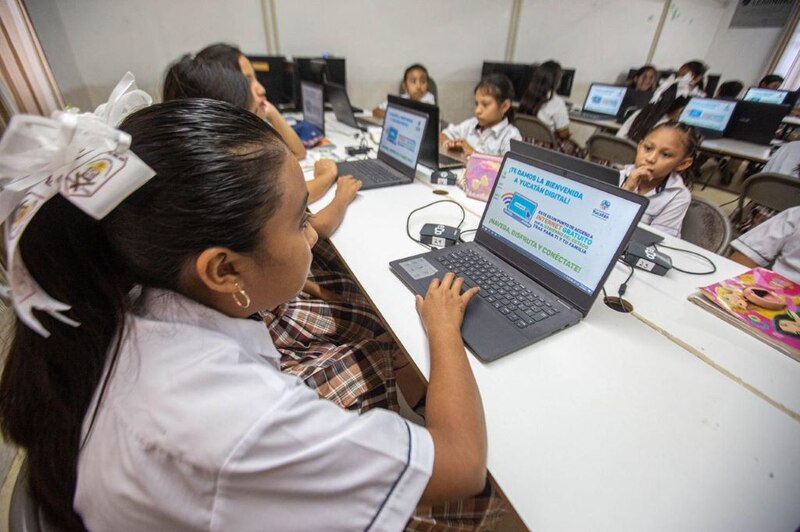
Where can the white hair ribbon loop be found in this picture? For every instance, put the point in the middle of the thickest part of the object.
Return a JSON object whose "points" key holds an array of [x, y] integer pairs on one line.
{"points": [[80, 156]]}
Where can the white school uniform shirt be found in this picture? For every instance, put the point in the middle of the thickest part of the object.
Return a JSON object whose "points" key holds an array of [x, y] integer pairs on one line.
{"points": [[668, 203], [776, 242], [785, 160], [199, 430], [495, 140], [428, 97], [554, 113]]}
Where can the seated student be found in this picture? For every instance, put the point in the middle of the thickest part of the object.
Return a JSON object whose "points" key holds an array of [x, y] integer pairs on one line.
{"points": [[540, 99], [644, 79], [666, 104], [190, 77], [160, 407], [771, 81], [414, 86], [663, 171], [330, 329], [729, 90], [693, 73], [774, 244], [233, 58], [490, 130]]}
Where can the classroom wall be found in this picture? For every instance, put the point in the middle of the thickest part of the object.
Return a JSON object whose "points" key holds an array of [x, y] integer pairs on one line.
{"points": [[91, 43]]}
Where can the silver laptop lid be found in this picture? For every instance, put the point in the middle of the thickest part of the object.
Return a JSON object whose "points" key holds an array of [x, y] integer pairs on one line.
{"points": [[401, 139]]}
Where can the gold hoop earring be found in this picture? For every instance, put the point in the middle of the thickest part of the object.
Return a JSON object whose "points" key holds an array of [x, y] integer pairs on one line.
{"points": [[241, 298]]}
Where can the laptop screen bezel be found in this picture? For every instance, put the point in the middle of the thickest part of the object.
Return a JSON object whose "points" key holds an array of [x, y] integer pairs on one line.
{"points": [[705, 130], [580, 166], [561, 287], [391, 161], [429, 153], [783, 101], [588, 94], [340, 101], [303, 100]]}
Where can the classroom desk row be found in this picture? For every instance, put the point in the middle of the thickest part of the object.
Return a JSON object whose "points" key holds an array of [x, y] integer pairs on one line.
{"points": [[720, 147], [663, 419]]}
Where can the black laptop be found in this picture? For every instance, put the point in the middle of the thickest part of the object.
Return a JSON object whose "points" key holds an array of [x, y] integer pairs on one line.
{"points": [[398, 152], [546, 243], [603, 102], [340, 103], [756, 122], [607, 175], [634, 100], [429, 153]]}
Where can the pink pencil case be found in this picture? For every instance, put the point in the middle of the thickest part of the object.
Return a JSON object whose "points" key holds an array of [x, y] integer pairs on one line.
{"points": [[480, 175]]}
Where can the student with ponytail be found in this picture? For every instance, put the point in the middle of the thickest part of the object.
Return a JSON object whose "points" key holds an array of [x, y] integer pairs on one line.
{"points": [[158, 404], [540, 99]]}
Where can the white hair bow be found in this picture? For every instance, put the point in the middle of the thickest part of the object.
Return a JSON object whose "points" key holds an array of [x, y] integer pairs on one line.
{"points": [[80, 156]]}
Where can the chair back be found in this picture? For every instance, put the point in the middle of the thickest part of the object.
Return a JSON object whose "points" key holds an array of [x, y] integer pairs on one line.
{"points": [[24, 514], [604, 148], [705, 225], [534, 130], [775, 191]]}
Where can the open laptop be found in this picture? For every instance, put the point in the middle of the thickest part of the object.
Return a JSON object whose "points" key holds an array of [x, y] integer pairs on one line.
{"points": [[605, 174], [603, 102], [756, 122], [429, 153], [398, 152], [313, 105], [709, 115], [340, 103], [757, 94], [544, 247]]}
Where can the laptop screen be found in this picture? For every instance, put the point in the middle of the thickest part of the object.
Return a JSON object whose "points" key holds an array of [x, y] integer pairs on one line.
{"points": [[604, 99], [708, 113], [570, 228], [754, 94], [313, 105], [402, 135]]}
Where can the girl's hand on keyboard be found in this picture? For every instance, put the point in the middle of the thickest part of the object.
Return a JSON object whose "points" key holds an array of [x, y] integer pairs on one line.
{"points": [[442, 309]]}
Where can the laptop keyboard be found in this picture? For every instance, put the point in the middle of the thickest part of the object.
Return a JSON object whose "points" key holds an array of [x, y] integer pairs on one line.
{"points": [[371, 170], [518, 303], [593, 116]]}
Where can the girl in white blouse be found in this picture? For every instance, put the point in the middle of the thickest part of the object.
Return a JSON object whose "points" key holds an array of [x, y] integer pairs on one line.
{"points": [[166, 410]]}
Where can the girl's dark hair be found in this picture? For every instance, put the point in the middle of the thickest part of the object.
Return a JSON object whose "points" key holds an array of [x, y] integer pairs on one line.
{"points": [[542, 86], [691, 142], [499, 87], [216, 184], [729, 90], [640, 72], [415, 66], [697, 68], [667, 103], [770, 78], [190, 78], [225, 54]]}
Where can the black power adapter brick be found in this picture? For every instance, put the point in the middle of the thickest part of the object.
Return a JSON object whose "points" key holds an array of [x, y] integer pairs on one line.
{"points": [[438, 235]]}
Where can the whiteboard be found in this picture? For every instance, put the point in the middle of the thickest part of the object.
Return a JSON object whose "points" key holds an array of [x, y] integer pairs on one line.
{"points": [[688, 32]]}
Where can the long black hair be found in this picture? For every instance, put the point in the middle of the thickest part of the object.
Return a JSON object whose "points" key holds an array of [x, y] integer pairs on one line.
{"points": [[190, 78], [668, 103], [541, 88], [499, 87], [217, 169]]}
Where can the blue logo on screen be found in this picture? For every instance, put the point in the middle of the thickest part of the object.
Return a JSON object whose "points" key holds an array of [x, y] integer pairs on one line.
{"points": [[392, 136], [521, 209], [597, 99], [695, 113]]}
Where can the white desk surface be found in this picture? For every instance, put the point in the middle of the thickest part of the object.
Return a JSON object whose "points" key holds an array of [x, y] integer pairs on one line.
{"points": [[608, 425], [609, 124]]}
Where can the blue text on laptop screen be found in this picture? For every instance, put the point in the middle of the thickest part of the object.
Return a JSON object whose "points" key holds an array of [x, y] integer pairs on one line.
{"points": [[402, 135], [605, 99], [313, 105], [707, 113], [569, 228], [754, 94]]}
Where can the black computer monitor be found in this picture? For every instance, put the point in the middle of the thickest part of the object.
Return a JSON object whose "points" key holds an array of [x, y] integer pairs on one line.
{"points": [[275, 74], [319, 70], [565, 87], [631, 73], [712, 82], [756, 122], [520, 74]]}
